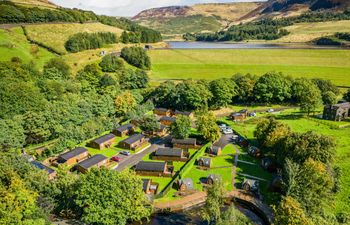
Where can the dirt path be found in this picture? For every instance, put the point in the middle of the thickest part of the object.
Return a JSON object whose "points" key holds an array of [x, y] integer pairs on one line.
{"points": [[183, 203]]}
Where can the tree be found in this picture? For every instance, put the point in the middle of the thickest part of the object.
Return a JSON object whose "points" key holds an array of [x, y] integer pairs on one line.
{"points": [[107, 197], [273, 88], [347, 96], [182, 127], [124, 103], [163, 95], [91, 74], [136, 56], [223, 90], [111, 63], [325, 86], [233, 216], [207, 126], [299, 87], [300, 147], [149, 123], [311, 99], [269, 132], [290, 212], [130, 79], [246, 85], [329, 98], [36, 127], [11, 134], [59, 66], [211, 211]]}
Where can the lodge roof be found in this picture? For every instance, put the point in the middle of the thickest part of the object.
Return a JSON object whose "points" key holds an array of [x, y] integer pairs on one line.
{"points": [[186, 141], [188, 182], [168, 152], [168, 118], [92, 161], [151, 166], [73, 153], [134, 138], [214, 177], [145, 183], [206, 161], [162, 109], [41, 166], [214, 149], [125, 127], [103, 139], [185, 113]]}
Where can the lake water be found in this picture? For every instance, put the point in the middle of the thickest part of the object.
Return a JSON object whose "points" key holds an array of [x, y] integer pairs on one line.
{"points": [[246, 45]]}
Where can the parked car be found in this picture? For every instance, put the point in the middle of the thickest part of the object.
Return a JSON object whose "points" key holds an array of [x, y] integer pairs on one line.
{"points": [[127, 153], [116, 159], [227, 131], [222, 126], [270, 110]]}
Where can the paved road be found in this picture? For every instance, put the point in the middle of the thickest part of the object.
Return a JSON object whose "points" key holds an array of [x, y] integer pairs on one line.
{"points": [[132, 160], [224, 140]]}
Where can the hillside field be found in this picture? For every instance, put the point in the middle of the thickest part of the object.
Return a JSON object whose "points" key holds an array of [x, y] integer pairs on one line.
{"points": [[13, 43], [212, 64], [56, 35], [306, 32]]}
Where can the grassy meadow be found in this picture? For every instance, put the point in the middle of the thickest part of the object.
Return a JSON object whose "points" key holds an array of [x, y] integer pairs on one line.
{"points": [[212, 64], [56, 35], [306, 32], [298, 123], [13, 43]]}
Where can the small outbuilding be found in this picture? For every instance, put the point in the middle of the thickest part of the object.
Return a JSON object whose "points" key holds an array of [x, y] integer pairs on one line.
{"points": [[268, 164], [170, 154], [167, 120], [254, 151], [74, 156], [94, 161], [185, 184], [238, 116], [156, 169], [183, 113], [106, 141], [213, 178], [250, 185], [124, 130], [187, 143], [276, 184], [162, 112], [214, 150], [204, 162], [337, 112], [133, 142], [149, 187]]}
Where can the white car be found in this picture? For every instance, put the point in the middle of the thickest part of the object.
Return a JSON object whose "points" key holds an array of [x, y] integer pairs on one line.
{"points": [[270, 110], [222, 126], [227, 131]]}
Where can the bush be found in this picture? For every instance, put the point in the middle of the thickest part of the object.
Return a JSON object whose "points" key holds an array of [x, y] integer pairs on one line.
{"points": [[84, 41], [111, 63], [137, 57]]}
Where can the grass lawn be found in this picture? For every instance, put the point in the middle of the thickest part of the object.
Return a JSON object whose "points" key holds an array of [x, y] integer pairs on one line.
{"points": [[226, 158], [13, 43], [302, 124], [212, 64], [56, 35]]}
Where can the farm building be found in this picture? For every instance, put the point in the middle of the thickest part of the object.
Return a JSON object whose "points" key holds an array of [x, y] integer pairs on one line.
{"points": [[167, 120], [157, 169], [250, 185], [162, 112], [74, 156], [184, 143], [133, 142], [337, 112], [162, 131], [183, 113], [149, 187], [268, 164], [51, 173], [212, 178], [238, 116], [214, 150], [170, 154], [204, 162], [185, 184], [105, 141], [124, 130], [94, 161]]}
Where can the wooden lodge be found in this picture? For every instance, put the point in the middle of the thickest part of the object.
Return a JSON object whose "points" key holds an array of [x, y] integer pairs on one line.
{"points": [[148, 187], [156, 169], [162, 131], [170, 154], [185, 184], [133, 142], [254, 152], [74, 156], [204, 162], [124, 130], [50, 172], [162, 112], [250, 185], [214, 150], [105, 141], [212, 178], [183, 113], [94, 161], [337, 112], [238, 116], [188, 143], [167, 120]]}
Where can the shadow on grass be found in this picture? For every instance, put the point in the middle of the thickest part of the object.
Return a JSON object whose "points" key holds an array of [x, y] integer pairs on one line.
{"points": [[294, 116]]}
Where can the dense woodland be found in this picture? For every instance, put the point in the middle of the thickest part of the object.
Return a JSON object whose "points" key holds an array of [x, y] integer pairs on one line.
{"points": [[11, 13], [266, 29], [84, 41]]}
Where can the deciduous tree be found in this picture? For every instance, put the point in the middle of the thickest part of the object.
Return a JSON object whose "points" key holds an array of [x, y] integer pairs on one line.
{"points": [[182, 127], [207, 126]]}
